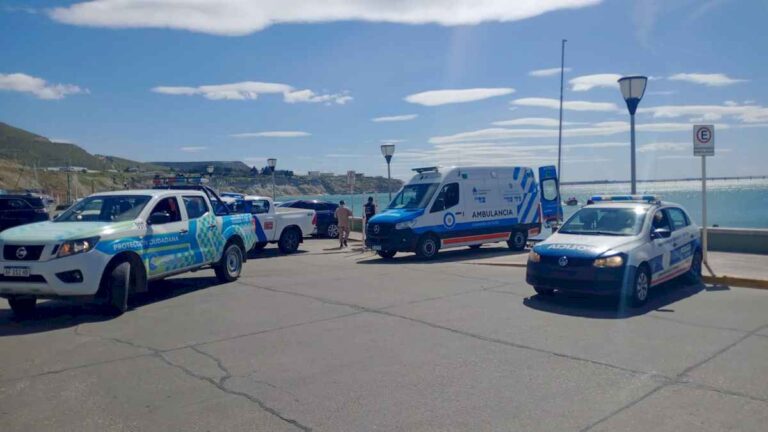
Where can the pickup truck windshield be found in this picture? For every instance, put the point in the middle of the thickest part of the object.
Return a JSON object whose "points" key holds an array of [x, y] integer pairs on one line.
{"points": [[414, 196], [106, 208], [605, 221]]}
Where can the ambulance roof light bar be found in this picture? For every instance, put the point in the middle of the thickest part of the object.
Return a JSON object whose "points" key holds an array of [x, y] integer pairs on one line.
{"points": [[425, 169], [650, 199]]}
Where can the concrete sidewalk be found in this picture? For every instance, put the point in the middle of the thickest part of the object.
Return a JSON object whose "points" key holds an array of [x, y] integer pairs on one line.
{"points": [[733, 269]]}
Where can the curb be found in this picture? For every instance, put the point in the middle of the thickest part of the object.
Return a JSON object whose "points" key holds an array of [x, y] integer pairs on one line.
{"points": [[720, 280]]}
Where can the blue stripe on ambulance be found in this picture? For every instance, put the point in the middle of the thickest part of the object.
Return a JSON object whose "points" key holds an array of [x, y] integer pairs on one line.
{"points": [[533, 194]]}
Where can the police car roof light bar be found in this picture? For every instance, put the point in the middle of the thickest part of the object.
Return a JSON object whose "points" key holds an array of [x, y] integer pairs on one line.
{"points": [[653, 199], [425, 169]]}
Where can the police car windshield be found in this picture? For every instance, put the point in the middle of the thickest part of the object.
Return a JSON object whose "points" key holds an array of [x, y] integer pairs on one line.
{"points": [[414, 196], [106, 208], [624, 221]]}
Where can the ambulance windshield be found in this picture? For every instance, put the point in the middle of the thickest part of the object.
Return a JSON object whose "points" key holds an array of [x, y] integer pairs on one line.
{"points": [[605, 221], [414, 196]]}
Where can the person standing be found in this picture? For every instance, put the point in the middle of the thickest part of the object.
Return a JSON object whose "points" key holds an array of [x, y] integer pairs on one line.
{"points": [[370, 209], [343, 216]]}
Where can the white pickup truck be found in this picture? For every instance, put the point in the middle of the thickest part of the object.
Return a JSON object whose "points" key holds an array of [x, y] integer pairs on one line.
{"points": [[285, 226]]}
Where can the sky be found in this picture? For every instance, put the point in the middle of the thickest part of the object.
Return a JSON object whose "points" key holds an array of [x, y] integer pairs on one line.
{"points": [[321, 85]]}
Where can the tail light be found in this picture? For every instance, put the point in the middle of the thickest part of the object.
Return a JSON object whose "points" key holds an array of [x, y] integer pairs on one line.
{"points": [[314, 219]]}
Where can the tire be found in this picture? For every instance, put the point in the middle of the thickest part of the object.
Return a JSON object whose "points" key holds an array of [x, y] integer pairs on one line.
{"points": [[117, 286], [544, 291], [475, 246], [289, 241], [517, 240], [230, 266], [428, 247], [258, 246], [638, 291], [332, 231], [22, 306], [693, 275], [386, 254]]}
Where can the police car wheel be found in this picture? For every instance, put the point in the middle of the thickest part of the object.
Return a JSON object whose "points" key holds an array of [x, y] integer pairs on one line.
{"points": [[694, 273], [641, 286], [517, 240], [231, 264], [543, 291], [386, 254], [427, 247], [22, 306], [332, 231]]}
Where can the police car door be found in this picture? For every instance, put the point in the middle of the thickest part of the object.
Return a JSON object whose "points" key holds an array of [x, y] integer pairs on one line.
{"points": [[661, 245], [167, 238], [684, 240]]}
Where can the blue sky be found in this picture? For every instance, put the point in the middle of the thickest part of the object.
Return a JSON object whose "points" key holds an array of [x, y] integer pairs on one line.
{"points": [[302, 82]]}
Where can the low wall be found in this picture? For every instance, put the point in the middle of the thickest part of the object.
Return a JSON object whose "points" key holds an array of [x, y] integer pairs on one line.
{"points": [[742, 240]]}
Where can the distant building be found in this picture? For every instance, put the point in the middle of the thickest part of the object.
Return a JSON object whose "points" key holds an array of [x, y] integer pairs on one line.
{"points": [[313, 173]]}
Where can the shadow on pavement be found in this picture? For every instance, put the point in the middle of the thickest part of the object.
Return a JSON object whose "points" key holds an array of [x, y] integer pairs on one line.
{"points": [[446, 256], [611, 307], [270, 252], [59, 314]]}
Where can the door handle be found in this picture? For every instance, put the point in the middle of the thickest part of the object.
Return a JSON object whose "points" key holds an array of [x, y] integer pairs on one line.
{"points": [[184, 231]]}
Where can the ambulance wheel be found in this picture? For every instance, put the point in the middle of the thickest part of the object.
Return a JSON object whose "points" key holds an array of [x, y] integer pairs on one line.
{"points": [[544, 291], [637, 294], [427, 247], [22, 306], [231, 264], [386, 254], [694, 273], [517, 240], [258, 246]]}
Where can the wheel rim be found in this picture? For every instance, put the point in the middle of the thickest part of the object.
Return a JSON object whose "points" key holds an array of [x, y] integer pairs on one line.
{"points": [[333, 231], [291, 241], [233, 262], [641, 287], [429, 247], [519, 240]]}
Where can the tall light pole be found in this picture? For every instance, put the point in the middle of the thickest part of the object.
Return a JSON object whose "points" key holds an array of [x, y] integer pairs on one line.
{"points": [[632, 89], [387, 150], [560, 128], [271, 162]]}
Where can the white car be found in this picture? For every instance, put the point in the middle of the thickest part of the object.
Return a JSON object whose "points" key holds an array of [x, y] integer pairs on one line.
{"points": [[282, 225], [618, 245], [109, 245]]}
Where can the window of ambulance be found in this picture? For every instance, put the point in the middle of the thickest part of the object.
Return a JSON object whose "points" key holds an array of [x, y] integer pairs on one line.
{"points": [[413, 196]]}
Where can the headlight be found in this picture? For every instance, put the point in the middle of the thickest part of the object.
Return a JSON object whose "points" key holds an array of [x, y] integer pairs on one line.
{"points": [[73, 247], [612, 261], [405, 225], [534, 257]]}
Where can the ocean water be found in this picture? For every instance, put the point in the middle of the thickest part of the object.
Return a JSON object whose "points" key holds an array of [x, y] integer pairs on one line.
{"points": [[730, 203]]}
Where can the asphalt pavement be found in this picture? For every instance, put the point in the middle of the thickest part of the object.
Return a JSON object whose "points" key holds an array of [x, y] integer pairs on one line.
{"points": [[335, 339]]}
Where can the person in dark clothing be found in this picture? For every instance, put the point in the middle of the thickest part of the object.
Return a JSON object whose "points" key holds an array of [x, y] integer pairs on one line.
{"points": [[370, 209]]}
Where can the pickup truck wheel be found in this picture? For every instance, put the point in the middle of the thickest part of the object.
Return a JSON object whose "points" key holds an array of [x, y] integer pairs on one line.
{"points": [[428, 247], [387, 254], [517, 240], [117, 285], [289, 241], [259, 246], [231, 264], [332, 231], [22, 306]]}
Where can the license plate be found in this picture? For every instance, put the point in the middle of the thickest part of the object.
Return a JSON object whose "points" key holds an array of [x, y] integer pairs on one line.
{"points": [[376, 247], [16, 271]]}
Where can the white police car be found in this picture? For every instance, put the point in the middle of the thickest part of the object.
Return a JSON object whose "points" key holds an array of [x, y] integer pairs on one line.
{"points": [[618, 245]]}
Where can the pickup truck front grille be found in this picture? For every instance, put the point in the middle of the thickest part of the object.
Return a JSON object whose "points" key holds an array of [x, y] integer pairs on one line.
{"points": [[22, 252]]}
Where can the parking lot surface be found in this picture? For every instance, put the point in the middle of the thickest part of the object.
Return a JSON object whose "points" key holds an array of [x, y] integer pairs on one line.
{"points": [[340, 340]]}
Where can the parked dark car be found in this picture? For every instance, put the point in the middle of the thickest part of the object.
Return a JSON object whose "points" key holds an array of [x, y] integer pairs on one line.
{"points": [[327, 225], [18, 210]]}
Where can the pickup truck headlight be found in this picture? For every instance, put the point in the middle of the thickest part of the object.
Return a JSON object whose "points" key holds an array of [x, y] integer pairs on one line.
{"points": [[406, 224], [611, 261], [73, 247]]}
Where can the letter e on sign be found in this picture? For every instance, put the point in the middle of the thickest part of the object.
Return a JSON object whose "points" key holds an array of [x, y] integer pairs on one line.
{"points": [[704, 140]]}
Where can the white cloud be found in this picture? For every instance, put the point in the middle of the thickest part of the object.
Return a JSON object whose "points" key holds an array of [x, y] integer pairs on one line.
{"points": [[660, 92], [442, 97], [392, 141], [711, 80], [567, 105], [271, 134], [532, 121], [24, 83], [588, 82], [251, 90], [241, 17], [743, 113], [547, 72], [192, 149], [396, 118], [664, 147]]}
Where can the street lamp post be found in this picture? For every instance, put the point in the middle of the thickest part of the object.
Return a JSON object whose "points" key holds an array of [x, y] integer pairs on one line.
{"points": [[387, 150], [632, 89], [271, 162]]}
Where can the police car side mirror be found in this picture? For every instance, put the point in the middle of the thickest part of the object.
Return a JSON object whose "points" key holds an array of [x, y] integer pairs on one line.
{"points": [[159, 218], [660, 233]]}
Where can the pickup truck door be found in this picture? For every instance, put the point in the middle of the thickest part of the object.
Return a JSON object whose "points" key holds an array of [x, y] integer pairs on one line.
{"points": [[167, 241], [264, 213], [204, 229]]}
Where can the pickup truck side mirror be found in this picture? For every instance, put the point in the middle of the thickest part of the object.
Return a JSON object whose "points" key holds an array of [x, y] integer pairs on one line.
{"points": [[660, 233], [159, 218]]}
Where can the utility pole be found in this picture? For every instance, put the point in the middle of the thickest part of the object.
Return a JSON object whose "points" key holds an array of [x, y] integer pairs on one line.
{"points": [[560, 128]]}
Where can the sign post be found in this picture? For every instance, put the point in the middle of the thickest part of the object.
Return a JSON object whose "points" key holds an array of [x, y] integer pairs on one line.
{"points": [[704, 145]]}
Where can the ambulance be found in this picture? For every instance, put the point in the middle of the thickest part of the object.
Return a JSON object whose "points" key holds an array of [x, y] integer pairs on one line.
{"points": [[465, 207]]}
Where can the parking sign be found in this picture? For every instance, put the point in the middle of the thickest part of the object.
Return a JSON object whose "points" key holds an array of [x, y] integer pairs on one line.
{"points": [[704, 140]]}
